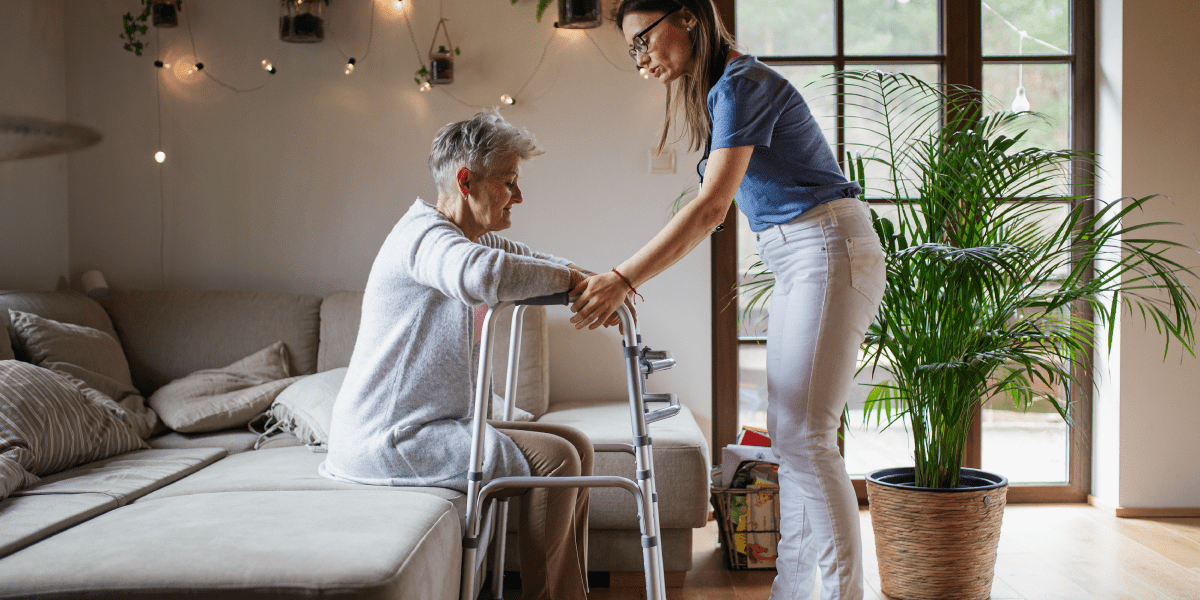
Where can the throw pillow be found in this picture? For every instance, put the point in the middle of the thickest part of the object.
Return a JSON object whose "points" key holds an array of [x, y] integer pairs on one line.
{"points": [[87, 354], [519, 414], [49, 424], [216, 399], [306, 407]]}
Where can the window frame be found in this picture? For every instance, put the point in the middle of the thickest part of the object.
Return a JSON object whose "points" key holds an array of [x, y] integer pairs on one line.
{"points": [[961, 60]]}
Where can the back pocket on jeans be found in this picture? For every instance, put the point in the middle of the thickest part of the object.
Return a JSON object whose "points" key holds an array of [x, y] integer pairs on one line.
{"points": [[866, 267]]}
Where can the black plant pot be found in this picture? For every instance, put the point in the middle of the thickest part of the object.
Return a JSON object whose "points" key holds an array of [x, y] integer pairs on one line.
{"points": [[579, 14], [304, 28], [164, 14], [441, 69], [935, 543]]}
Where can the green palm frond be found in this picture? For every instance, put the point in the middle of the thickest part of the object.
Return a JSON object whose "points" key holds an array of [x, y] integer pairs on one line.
{"points": [[993, 262]]}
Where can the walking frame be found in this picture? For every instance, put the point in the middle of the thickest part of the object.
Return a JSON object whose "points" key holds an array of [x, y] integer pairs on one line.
{"points": [[639, 362]]}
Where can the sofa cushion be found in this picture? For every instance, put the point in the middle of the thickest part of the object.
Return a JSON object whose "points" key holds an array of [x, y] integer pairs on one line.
{"points": [[681, 465], [533, 377], [235, 545], [87, 354], [341, 313], [64, 499], [47, 424], [64, 307], [232, 441], [216, 399], [169, 334], [281, 469]]}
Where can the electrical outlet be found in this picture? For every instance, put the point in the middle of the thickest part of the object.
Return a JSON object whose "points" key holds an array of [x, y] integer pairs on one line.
{"points": [[664, 163]]}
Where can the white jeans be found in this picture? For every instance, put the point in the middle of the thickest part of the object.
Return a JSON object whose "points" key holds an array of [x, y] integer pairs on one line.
{"points": [[829, 279]]}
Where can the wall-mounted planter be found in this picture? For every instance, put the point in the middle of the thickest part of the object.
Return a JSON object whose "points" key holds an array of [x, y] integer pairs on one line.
{"points": [[164, 13], [302, 21], [579, 14]]}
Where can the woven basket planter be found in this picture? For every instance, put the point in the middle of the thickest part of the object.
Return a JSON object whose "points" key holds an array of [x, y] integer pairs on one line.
{"points": [[936, 544]]}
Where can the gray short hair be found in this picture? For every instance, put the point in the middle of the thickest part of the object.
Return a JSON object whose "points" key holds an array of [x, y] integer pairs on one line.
{"points": [[479, 144]]}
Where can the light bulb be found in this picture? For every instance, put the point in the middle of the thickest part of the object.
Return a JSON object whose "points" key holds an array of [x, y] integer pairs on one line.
{"points": [[1021, 102], [399, 3], [160, 156], [425, 86], [507, 99], [268, 67], [350, 66], [645, 74]]}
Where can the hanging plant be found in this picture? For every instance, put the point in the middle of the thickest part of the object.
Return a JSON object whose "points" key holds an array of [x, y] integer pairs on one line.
{"points": [[302, 21], [164, 13], [579, 14], [441, 61]]}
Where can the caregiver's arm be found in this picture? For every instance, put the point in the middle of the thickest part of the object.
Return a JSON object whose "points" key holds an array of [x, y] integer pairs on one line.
{"points": [[599, 296]]}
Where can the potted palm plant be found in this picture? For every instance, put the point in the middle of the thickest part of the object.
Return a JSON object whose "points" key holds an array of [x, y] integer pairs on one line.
{"points": [[987, 288]]}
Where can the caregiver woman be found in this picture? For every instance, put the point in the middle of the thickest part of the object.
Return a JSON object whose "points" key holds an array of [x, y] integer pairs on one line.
{"points": [[764, 146]]}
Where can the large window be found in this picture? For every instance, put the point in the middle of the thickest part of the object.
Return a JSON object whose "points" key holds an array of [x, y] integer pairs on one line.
{"points": [[1023, 54]]}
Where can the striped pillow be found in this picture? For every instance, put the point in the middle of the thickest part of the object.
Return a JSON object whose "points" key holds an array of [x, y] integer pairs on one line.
{"points": [[48, 424]]}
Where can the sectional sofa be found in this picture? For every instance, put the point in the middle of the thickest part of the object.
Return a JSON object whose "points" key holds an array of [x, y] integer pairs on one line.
{"points": [[209, 515]]}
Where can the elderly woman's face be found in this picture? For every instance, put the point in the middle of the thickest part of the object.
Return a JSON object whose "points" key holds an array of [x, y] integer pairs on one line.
{"points": [[491, 200]]}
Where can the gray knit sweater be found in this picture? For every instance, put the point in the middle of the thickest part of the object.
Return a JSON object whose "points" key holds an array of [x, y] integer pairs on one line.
{"points": [[403, 414]]}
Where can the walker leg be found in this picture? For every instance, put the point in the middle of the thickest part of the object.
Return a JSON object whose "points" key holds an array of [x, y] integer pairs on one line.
{"points": [[500, 532]]}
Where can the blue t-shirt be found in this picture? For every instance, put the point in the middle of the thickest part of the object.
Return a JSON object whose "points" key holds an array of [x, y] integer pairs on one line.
{"points": [[792, 168]]}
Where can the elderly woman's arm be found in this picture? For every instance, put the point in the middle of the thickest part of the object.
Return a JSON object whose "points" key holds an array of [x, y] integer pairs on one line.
{"points": [[441, 258]]}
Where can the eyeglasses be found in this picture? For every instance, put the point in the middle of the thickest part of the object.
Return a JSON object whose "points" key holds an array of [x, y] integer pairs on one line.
{"points": [[639, 39]]}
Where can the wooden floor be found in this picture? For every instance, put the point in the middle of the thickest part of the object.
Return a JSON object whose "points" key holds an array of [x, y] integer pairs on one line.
{"points": [[1046, 552]]}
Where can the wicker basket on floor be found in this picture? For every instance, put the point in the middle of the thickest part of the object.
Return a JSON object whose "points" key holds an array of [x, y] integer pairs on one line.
{"points": [[936, 544], [749, 526]]}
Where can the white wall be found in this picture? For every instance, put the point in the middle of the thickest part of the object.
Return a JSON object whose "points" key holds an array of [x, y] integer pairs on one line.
{"points": [[1160, 406], [294, 187], [33, 192], [1158, 415]]}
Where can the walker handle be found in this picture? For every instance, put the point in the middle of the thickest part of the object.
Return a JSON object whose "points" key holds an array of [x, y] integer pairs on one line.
{"points": [[559, 299]]}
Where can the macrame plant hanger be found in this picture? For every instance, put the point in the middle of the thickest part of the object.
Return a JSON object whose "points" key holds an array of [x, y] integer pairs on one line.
{"points": [[441, 61]]}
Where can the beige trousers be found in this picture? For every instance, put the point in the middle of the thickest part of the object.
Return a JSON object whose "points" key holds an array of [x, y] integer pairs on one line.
{"points": [[553, 524]]}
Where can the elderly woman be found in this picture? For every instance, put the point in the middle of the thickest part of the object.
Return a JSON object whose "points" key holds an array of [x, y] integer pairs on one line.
{"points": [[403, 415]]}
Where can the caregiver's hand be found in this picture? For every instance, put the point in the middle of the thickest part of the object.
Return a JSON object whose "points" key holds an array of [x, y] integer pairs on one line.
{"points": [[599, 297]]}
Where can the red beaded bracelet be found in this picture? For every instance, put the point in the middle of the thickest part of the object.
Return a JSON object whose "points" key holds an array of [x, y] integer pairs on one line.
{"points": [[626, 280]]}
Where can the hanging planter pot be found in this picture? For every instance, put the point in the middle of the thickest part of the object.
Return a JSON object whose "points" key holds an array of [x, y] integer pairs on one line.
{"points": [[302, 21], [441, 60], [165, 13], [578, 14], [935, 543]]}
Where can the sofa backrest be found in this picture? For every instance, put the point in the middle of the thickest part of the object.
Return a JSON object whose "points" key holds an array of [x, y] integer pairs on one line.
{"points": [[341, 313], [64, 307], [170, 334]]}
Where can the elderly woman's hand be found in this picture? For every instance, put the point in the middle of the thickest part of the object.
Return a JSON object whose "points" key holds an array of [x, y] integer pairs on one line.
{"points": [[599, 297]]}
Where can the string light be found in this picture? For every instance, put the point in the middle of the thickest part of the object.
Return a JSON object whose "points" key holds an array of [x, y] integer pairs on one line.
{"points": [[507, 99], [268, 67], [1020, 102], [425, 86], [644, 73], [160, 156], [350, 60]]}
